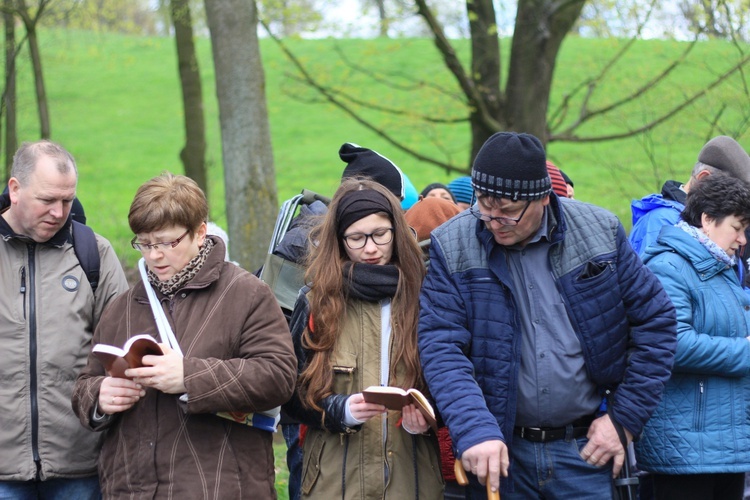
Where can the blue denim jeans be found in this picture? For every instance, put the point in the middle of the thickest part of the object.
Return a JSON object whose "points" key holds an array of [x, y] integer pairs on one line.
{"points": [[86, 488], [293, 458], [555, 470]]}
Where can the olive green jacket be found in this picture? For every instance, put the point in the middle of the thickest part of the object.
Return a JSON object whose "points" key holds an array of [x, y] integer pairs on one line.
{"points": [[378, 459]]}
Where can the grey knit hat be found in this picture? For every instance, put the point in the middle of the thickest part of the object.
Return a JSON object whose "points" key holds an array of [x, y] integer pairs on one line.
{"points": [[513, 166], [725, 154]]}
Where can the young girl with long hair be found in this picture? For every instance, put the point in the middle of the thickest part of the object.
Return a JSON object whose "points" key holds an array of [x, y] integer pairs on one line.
{"points": [[356, 326]]}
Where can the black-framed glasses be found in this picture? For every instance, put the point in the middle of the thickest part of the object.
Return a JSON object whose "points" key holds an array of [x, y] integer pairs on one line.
{"points": [[162, 246], [505, 221], [382, 236]]}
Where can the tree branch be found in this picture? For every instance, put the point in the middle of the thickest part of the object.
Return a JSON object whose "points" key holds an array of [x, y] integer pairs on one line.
{"points": [[376, 107], [331, 98], [415, 84], [570, 136], [556, 117], [454, 65], [586, 115]]}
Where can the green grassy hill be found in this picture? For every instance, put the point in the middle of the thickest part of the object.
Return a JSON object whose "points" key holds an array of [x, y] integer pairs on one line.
{"points": [[115, 104]]}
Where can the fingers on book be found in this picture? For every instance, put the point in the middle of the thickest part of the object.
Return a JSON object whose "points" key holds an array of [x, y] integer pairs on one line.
{"points": [[395, 398], [118, 359]]}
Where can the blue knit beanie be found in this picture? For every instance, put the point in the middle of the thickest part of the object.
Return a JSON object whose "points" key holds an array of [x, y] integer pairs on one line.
{"points": [[461, 189], [512, 166]]}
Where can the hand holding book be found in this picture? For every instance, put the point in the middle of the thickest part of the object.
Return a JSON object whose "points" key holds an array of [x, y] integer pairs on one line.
{"points": [[116, 360], [395, 398]]}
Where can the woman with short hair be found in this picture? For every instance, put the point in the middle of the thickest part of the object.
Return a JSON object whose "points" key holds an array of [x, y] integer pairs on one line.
{"points": [[163, 437], [697, 442]]}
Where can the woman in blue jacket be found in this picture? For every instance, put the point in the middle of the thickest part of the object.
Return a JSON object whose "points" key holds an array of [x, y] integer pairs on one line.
{"points": [[697, 443]]}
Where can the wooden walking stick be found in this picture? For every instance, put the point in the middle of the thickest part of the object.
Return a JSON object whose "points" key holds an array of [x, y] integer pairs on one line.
{"points": [[458, 470]]}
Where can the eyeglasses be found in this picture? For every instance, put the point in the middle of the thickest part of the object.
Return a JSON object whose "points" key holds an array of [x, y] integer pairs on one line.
{"points": [[505, 221], [162, 247], [382, 236]]}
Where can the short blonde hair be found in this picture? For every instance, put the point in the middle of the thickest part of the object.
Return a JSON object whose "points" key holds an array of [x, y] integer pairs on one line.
{"points": [[168, 200]]}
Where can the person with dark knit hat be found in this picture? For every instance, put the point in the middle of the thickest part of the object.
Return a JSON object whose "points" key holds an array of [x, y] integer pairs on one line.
{"points": [[721, 155], [363, 162], [355, 326], [569, 183], [462, 191], [541, 333], [437, 190]]}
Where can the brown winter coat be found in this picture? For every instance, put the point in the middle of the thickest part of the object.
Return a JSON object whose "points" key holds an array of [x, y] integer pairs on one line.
{"points": [[238, 357]]}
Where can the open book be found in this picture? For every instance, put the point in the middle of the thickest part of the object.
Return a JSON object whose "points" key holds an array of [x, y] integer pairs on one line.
{"points": [[395, 398], [116, 360]]}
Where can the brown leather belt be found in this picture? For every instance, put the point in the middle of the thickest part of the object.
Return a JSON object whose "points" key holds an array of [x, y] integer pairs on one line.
{"points": [[579, 428]]}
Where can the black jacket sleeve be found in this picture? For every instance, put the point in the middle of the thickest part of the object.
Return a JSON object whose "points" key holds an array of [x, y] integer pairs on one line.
{"points": [[334, 406]]}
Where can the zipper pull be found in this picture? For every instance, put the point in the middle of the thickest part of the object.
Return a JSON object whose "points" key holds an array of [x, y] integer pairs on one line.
{"points": [[701, 386], [23, 280]]}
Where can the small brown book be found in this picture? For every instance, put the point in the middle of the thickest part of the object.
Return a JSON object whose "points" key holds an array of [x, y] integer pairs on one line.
{"points": [[116, 360], [395, 398]]}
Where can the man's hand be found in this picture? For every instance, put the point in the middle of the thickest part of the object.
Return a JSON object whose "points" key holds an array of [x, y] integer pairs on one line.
{"points": [[487, 460], [604, 444]]}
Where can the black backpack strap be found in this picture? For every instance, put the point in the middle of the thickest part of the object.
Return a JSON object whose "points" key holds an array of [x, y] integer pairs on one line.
{"points": [[87, 251]]}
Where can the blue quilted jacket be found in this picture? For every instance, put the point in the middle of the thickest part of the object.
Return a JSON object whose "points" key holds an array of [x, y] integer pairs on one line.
{"points": [[702, 424], [469, 334], [650, 214]]}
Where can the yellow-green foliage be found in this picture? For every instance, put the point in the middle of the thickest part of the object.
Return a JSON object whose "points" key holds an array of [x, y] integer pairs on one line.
{"points": [[115, 103]]}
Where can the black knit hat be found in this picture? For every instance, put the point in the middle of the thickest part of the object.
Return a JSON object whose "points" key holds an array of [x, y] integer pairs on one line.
{"points": [[725, 154], [436, 185], [368, 163], [513, 166]]}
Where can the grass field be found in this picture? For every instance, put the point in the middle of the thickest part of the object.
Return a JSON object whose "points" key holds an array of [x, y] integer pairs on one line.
{"points": [[115, 103], [282, 474]]}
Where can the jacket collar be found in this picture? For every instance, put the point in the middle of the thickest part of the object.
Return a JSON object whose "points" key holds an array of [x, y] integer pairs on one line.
{"points": [[671, 190], [673, 239], [207, 275]]}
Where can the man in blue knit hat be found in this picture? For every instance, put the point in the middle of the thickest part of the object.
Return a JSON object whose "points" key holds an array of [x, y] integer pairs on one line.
{"points": [[543, 339]]}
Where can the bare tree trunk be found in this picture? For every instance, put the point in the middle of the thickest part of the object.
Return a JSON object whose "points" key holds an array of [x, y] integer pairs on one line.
{"points": [[485, 68], [11, 138], [36, 63], [193, 155], [383, 18], [541, 26], [249, 178]]}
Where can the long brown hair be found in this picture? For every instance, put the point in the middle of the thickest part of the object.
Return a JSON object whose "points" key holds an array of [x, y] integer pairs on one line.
{"points": [[328, 298]]}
